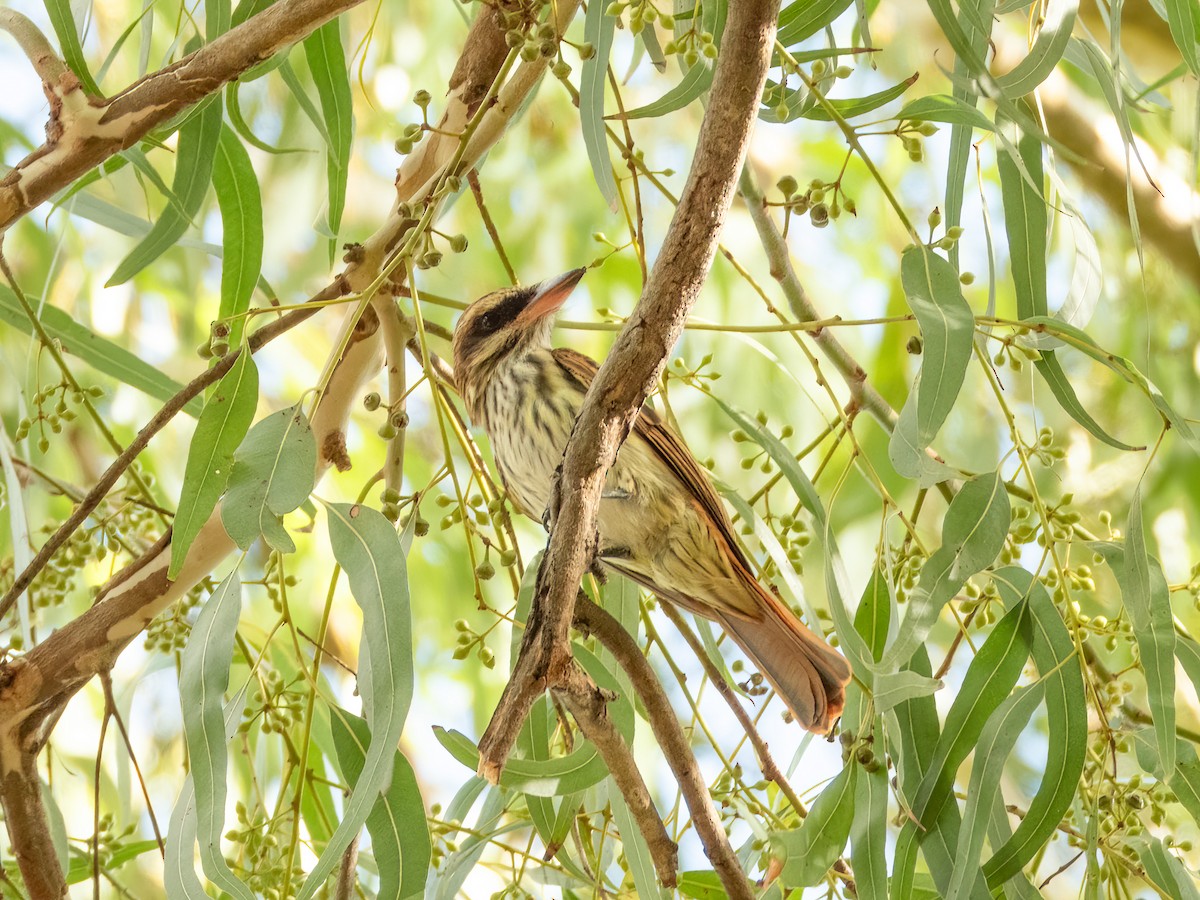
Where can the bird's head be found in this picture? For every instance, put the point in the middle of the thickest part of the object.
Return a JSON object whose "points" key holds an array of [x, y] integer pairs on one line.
{"points": [[505, 325]]}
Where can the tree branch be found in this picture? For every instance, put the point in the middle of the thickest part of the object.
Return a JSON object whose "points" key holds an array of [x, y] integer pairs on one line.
{"points": [[85, 131], [633, 366], [588, 703], [671, 739]]}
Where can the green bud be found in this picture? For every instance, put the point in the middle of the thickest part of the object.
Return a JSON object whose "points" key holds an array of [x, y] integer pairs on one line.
{"points": [[422, 98], [843, 71], [787, 185], [561, 69], [935, 218], [928, 129], [458, 243], [586, 51], [967, 278], [372, 401]]}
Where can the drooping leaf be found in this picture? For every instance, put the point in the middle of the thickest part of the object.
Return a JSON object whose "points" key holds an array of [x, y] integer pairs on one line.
{"points": [[399, 833], [203, 680], [946, 109], [801, 19], [1047, 50], [973, 534], [194, 159], [947, 328], [219, 432], [637, 854], [857, 106], [695, 82], [1067, 725], [62, 19], [987, 683], [598, 28], [1184, 22], [242, 230], [366, 546], [327, 62], [1164, 870], [807, 852], [273, 473]]}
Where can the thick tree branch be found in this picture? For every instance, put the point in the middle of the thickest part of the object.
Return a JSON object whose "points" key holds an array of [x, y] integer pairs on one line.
{"points": [[672, 740], [85, 131], [633, 366]]}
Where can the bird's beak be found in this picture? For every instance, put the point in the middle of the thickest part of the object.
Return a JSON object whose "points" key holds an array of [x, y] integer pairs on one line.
{"points": [[550, 295]]}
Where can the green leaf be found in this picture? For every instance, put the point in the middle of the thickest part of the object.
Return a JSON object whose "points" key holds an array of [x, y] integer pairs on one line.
{"points": [[203, 679], [695, 82], [988, 681], [179, 872], [1147, 601], [366, 546], [223, 424], [194, 159], [850, 108], [973, 534], [1047, 50], [995, 745], [907, 451], [1064, 392], [100, 353], [242, 230], [1184, 20], [637, 853], [807, 852], [62, 19], [273, 473], [1025, 223], [327, 62], [1067, 726], [947, 328], [399, 833], [81, 867], [703, 884], [946, 109], [1184, 782], [1164, 870], [598, 28], [801, 19]]}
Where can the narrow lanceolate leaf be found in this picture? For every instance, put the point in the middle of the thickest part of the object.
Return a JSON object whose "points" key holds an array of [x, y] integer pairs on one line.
{"points": [[989, 680], [1025, 222], [1046, 51], [1066, 724], [947, 327], [242, 230], [273, 473], [946, 109], [807, 852], [1164, 870], [695, 82], [203, 679], [1185, 781], [223, 424], [907, 451], [179, 862], [1184, 22], [637, 854], [995, 744], [597, 31], [63, 20], [973, 534], [801, 19], [859, 105], [366, 546], [194, 158], [98, 352], [399, 833], [1147, 600], [327, 62]]}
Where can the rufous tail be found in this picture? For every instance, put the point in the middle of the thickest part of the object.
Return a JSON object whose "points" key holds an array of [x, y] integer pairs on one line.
{"points": [[806, 672]]}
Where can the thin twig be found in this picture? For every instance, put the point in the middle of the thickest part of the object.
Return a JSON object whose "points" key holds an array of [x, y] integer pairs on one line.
{"points": [[35, 46]]}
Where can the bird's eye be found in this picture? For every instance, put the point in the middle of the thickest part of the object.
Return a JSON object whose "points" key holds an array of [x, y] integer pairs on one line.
{"points": [[489, 321]]}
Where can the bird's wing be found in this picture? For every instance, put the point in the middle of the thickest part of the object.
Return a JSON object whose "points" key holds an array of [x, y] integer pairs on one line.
{"points": [[671, 450]]}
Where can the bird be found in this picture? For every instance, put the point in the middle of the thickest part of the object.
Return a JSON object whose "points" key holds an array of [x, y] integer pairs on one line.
{"points": [[660, 521]]}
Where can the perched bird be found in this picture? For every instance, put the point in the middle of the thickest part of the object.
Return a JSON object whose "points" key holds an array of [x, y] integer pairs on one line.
{"points": [[660, 521]]}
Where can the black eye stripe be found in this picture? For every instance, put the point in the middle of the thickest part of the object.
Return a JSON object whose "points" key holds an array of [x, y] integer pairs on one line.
{"points": [[503, 313]]}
